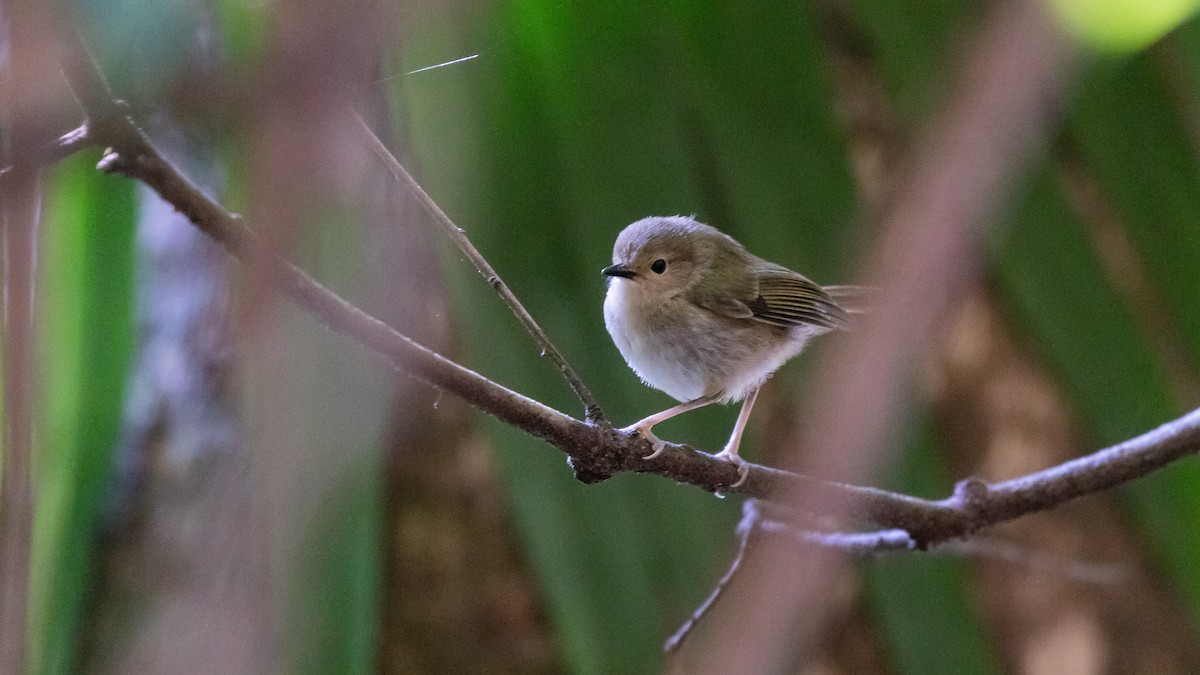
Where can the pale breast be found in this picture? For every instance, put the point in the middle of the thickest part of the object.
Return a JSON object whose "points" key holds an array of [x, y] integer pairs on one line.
{"points": [[653, 350], [688, 352]]}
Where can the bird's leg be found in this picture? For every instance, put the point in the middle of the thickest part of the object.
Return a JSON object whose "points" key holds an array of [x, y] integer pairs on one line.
{"points": [[730, 452], [643, 427]]}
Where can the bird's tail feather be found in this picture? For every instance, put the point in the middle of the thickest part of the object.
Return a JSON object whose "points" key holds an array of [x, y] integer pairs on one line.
{"points": [[853, 299]]}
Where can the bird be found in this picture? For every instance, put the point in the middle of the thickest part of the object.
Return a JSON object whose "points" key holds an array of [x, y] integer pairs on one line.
{"points": [[699, 317]]}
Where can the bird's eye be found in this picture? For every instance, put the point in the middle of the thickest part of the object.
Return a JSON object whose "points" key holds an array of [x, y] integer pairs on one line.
{"points": [[658, 266]]}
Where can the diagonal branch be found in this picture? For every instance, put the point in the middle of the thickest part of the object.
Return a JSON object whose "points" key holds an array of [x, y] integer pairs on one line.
{"points": [[57, 150], [598, 452], [591, 408]]}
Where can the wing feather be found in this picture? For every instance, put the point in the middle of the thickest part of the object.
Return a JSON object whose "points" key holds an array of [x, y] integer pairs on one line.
{"points": [[753, 289], [786, 298]]}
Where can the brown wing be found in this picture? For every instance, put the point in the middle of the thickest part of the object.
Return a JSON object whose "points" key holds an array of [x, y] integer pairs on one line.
{"points": [[788, 299]]}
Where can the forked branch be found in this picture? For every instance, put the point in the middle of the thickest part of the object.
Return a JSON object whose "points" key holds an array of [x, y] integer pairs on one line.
{"points": [[591, 409]]}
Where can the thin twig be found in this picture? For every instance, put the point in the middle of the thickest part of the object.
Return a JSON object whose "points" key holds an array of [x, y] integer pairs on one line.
{"points": [[66, 145], [881, 544], [592, 411], [746, 529], [873, 543], [599, 452]]}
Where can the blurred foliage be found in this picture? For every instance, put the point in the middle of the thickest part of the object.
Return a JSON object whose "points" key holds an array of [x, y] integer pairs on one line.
{"points": [[84, 351], [576, 119], [934, 592], [320, 427], [1122, 25]]}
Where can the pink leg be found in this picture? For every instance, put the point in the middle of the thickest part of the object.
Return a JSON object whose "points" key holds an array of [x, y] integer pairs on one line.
{"points": [[643, 427], [730, 452]]}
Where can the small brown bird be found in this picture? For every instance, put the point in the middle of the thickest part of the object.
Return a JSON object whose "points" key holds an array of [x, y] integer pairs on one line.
{"points": [[699, 317]]}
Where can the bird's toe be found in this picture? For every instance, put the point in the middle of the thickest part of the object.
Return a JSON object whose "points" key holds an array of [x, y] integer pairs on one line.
{"points": [[657, 445], [742, 465]]}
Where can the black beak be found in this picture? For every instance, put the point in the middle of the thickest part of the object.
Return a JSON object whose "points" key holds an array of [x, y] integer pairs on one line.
{"points": [[618, 271]]}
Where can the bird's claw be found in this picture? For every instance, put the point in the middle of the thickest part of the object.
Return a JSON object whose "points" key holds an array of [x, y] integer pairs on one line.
{"points": [[657, 448], [742, 465], [743, 474], [657, 445]]}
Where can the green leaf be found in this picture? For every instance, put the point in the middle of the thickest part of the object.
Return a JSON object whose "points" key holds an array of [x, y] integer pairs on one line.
{"points": [[1122, 25], [85, 345]]}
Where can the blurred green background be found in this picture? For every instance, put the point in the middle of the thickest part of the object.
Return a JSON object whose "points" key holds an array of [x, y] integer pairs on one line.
{"points": [[575, 119]]}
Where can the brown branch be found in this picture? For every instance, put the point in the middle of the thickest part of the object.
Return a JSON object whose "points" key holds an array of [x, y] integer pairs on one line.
{"points": [[597, 452], [592, 411], [66, 145], [882, 543], [976, 505], [55, 151], [758, 519]]}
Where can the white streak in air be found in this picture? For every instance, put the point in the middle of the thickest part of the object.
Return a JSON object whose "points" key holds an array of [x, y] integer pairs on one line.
{"points": [[448, 63]]}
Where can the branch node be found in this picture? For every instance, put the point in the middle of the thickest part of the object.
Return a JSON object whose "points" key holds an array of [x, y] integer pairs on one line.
{"points": [[589, 472], [593, 415], [971, 494], [485, 269]]}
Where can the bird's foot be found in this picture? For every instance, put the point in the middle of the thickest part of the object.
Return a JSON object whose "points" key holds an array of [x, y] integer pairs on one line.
{"points": [[742, 466], [657, 445]]}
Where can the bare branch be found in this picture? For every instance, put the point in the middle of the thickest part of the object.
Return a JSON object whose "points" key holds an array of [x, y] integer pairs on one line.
{"points": [[754, 523], [881, 543], [597, 452], [757, 520], [66, 145], [57, 150], [592, 411]]}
